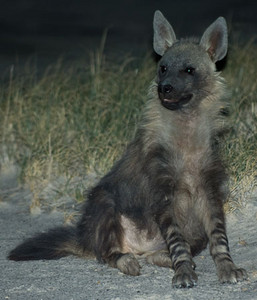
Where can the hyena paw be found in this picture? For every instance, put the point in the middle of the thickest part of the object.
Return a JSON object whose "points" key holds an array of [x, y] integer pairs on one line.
{"points": [[231, 274], [185, 276], [128, 264], [160, 258]]}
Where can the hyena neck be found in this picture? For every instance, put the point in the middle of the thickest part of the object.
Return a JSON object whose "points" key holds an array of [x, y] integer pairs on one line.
{"points": [[176, 130], [189, 132], [184, 131]]}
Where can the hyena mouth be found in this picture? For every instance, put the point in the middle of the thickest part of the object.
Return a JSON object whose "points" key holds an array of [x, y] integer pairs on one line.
{"points": [[174, 104]]}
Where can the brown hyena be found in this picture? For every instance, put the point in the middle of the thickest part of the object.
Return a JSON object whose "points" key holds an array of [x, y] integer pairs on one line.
{"points": [[164, 197]]}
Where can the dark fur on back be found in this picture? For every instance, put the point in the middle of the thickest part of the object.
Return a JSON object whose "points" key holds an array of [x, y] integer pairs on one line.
{"points": [[164, 197]]}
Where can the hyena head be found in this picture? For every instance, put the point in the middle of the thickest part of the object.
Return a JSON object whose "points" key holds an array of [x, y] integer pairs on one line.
{"points": [[186, 71]]}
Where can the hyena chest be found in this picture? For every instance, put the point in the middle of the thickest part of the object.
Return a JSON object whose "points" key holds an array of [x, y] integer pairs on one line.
{"points": [[186, 210], [190, 198], [187, 203]]}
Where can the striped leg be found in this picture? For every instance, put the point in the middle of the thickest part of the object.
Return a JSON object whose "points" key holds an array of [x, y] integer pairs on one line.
{"points": [[214, 224], [219, 249], [180, 255]]}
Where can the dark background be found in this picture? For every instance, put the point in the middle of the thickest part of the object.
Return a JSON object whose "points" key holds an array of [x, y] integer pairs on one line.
{"points": [[48, 29]]}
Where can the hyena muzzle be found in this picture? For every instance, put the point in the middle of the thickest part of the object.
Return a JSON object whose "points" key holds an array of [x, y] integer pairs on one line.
{"points": [[164, 198]]}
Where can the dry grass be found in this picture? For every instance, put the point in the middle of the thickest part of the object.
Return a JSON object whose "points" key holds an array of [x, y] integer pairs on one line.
{"points": [[68, 127], [240, 149]]}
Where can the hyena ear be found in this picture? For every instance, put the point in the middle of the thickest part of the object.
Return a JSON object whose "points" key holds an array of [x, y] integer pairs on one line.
{"points": [[164, 35], [215, 39]]}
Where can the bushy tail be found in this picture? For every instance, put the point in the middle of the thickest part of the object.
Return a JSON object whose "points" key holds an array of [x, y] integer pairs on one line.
{"points": [[54, 244]]}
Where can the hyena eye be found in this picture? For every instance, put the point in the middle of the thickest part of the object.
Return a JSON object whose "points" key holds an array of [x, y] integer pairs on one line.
{"points": [[163, 69], [190, 70]]}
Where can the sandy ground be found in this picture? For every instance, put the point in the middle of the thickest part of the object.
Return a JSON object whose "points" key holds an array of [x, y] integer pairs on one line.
{"points": [[74, 278]]}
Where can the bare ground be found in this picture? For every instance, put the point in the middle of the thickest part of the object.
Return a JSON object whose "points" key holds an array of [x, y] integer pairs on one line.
{"points": [[74, 278]]}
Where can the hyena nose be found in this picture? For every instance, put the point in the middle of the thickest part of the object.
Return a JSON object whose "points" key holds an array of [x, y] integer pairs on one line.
{"points": [[165, 89]]}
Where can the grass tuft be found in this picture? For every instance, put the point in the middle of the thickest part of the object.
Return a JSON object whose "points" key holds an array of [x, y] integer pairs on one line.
{"points": [[239, 148]]}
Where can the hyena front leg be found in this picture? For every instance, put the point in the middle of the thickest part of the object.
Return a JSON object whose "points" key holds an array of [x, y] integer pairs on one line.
{"points": [[219, 249], [180, 254]]}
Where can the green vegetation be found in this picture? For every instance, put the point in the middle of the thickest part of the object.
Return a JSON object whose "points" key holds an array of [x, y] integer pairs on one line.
{"points": [[76, 120], [240, 146]]}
